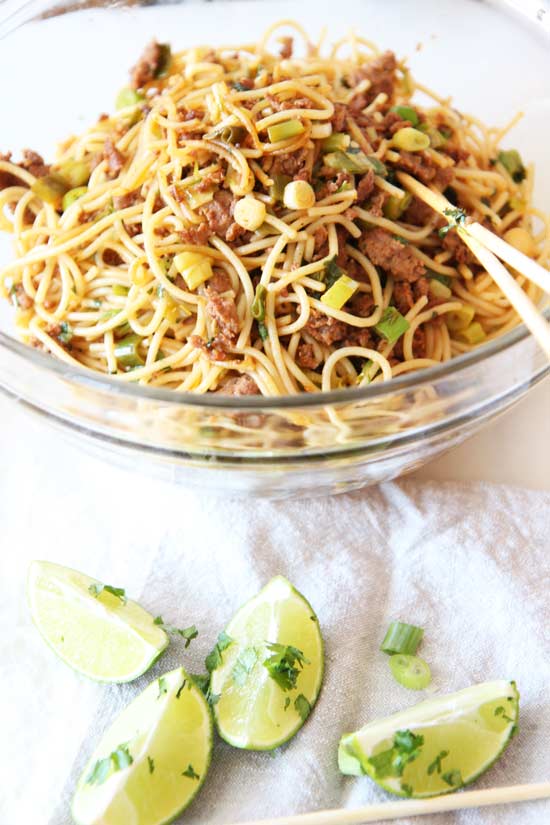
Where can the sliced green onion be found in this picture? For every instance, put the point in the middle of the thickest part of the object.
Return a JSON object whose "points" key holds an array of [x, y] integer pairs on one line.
{"points": [[164, 60], [284, 131], [51, 189], [340, 292], [473, 334], [338, 141], [122, 329], [443, 279], [332, 273], [364, 377], [258, 306], [277, 189], [120, 290], [128, 97], [127, 351], [262, 330], [228, 134], [410, 140], [439, 290], [512, 162], [410, 671], [391, 325], [72, 195], [402, 638], [394, 206], [461, 318], [75, 173], [406, 113], [355, 162]]}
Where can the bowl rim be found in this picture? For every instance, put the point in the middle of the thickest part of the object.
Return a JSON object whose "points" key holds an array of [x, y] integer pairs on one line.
{"points": [[85, 377], [98, 381]]}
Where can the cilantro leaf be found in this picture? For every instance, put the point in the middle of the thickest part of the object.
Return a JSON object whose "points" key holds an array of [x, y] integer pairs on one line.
{"points": [[302, 706], [116, 761], [285, 664], [287, 703], [181, 687], [500, 711], [189, 772], [262, 331], [151, 764], [457, 217], [436, 764], [203, 683], [453, 778], [98, 588], [243, 666], [214, 658], [392, 762], [407, 790], [187, 633], [163, 688]]}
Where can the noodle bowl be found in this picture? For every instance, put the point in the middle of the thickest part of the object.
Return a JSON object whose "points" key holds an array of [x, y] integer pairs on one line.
{"points": [[237, 225]]}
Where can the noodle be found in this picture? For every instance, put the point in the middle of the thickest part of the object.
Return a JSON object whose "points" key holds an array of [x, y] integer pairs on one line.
{"points": [[145, 269]]}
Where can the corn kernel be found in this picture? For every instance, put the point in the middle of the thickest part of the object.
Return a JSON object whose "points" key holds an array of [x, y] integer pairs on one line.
{"points": [[249, 213], [521, 239], [299, 194]]}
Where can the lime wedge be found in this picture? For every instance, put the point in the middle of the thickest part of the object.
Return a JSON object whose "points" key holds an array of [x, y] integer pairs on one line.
{"points": [[153, 759], [103, 636], [260, 707], [437, 746]]}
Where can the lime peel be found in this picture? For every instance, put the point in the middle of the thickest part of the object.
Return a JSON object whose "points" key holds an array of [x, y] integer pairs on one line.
{"points": [[437, 746]]}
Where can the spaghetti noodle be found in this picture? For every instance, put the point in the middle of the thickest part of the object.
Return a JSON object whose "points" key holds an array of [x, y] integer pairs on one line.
{"points": [[238, 225]]}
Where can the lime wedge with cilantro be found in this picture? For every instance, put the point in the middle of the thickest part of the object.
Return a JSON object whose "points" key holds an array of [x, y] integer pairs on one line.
{"points": [[437, 746], [93, 627], [152, 761], [266, 669]]}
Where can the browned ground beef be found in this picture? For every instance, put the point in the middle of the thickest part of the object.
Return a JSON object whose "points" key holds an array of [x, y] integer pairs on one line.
{"points": [[286, 47], [458, 249], [420, 165], [306, 358], [215, 349], [114, 159], [406, 294], [333, 185], [219, 216], [293, 164], [224, 312], [365, 186], [220, 281], [385, 251], [34, 163], [126, 200], [381, 73], [418, 213], [197, 234], [325, 329], [147, 65], [239, 385]]}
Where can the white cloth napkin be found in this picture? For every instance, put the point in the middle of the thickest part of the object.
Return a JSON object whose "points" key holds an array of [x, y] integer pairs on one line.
{"points": [[469, 563]]}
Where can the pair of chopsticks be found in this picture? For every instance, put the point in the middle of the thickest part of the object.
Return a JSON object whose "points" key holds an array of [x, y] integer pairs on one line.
{"points": [[488, 248], [415, 807]]}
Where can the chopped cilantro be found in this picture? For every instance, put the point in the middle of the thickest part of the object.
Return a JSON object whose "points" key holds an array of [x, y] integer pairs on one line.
{"points": [[203, 683], [151, 764], [243, 666], [189, 772], [241, 87], [285, 664], [512, 162], [118, 592], [287, 703], [392, 762], [400, 239], [103, 768], [407, 790], [302, 706], [214, 658], [262, 331], [500, 711], [457, 217], [163, 688], [187, 633], [332, 273], [65, 333], [453, 779], [436, 764], [181, 687]]}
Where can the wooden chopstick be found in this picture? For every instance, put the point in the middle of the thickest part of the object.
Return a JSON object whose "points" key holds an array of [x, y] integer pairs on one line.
{"points": [[415, 807], [477, 242]]}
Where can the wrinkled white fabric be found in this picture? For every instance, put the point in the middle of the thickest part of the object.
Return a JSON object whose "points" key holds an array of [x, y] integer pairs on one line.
{"points": [[470, 564]]}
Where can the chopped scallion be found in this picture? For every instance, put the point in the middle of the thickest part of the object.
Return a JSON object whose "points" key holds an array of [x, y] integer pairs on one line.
{"points": [[394, 206], [258, 305], [512, 162], [355, 162], [406, 113], [127, 351], [128, 97], [392, 325], [402, 638], [338, 141], [340, 292], [284, 131]]}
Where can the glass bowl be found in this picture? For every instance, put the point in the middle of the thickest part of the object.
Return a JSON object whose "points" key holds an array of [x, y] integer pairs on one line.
{"points": [[309, 444]]}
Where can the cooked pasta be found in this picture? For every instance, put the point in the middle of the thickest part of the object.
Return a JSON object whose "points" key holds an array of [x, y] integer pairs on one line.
{"points": [[237, 225]]}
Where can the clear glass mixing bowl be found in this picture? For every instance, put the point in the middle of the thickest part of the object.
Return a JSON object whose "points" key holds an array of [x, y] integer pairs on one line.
{"points": [[307, 444]]}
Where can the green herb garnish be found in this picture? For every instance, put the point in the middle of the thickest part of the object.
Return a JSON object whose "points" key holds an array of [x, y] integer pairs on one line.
{"points": [[151, 764], [214, 658], [187, 633], [436, 764], [302, 706], [453, 778], [103, 768], [512, 162], [117, 592], [285, 664], [500, 711], [163, 688], [262, 331], [457, 217], [392, 762], [189, 772], [243, 666]]}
